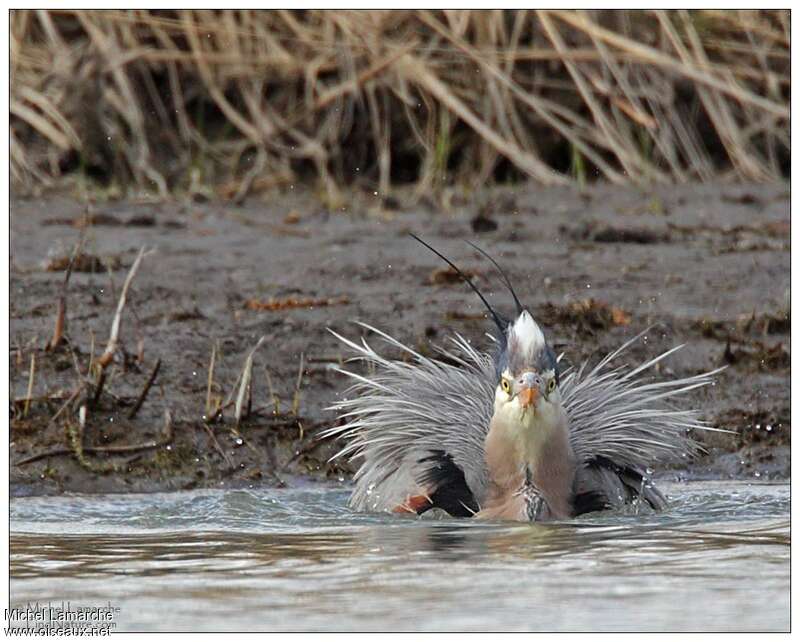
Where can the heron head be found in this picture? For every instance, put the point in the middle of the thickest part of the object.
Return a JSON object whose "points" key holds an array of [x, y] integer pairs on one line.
{"points": [[528, 383]]}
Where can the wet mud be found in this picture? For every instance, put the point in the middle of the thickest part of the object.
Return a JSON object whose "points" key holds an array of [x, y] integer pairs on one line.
{"points": [[701, 265]]}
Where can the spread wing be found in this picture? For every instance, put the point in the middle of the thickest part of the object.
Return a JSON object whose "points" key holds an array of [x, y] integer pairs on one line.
{"points": [[418, 428]]}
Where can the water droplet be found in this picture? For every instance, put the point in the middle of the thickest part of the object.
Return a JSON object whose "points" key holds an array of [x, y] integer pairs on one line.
{"points": [[169, 447], [769, 428], [239, 441], [757, 474]]}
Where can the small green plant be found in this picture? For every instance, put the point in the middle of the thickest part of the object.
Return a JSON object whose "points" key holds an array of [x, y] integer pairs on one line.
{"points": [[577, 166]]}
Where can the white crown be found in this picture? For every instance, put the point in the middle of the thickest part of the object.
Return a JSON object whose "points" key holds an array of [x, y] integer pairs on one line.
{"points": [[528, 334]]}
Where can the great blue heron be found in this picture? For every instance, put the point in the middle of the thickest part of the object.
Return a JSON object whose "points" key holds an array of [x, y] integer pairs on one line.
{"points": [[507, 435]]}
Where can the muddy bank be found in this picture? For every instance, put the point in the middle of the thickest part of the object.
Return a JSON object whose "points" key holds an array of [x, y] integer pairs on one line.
{"points": [[705, 265]]}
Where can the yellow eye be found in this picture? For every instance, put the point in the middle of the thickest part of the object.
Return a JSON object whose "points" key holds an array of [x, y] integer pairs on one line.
{"points": [[506, 386], [551, 385]]}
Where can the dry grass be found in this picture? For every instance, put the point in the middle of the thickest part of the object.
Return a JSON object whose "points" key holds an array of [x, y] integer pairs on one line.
{"points": [[248, 100]]}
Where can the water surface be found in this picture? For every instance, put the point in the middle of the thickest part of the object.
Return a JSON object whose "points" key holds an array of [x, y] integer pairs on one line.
{"points": [[298, 559]]}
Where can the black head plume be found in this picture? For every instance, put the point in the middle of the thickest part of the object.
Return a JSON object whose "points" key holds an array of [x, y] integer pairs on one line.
{"points": [[505, 278], [498, 320]]}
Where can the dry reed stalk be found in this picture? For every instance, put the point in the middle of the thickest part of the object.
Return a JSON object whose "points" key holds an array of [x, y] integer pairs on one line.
{"points": [[210, 384], [245, 380], [549, 112], [296, 395], [105, 359], [648, 55], [619, 145], [29, 394], [276, 410], [335, 91], [91, 351], [721, 113], [415, 71]]}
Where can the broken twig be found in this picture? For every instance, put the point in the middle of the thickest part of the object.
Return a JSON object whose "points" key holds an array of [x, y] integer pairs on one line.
{"points": [[165, 440], [65, 405], [218, 447], [61, 313], [145, 390]]}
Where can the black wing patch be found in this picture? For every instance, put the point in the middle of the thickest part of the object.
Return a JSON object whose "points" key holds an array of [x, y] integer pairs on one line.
{"points": [[448, 488], [634, 482], [589, 502]]}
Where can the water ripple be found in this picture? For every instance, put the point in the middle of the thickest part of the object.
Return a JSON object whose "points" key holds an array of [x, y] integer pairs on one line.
{"points": [[298, 559]]}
